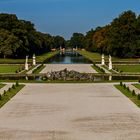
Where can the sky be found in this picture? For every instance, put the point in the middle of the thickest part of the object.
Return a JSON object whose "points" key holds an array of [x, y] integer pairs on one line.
{"points": [[64, 17]]}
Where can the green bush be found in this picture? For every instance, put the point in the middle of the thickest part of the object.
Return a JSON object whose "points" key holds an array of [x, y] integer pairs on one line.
{"points": [[124, 86], [13, 86], [127, 88], [138, 97], [133, 93], [9, 89], [121, 83], [17, 83], [4, 92]]}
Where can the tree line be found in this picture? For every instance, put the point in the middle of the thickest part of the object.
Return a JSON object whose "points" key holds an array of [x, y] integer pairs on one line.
{"points": [[120, 38], [19, 38]]}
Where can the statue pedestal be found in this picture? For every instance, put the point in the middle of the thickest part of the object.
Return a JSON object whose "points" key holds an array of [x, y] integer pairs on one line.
{"points": [[34, 60], [103, 60], [110, 63], [26, 64]]}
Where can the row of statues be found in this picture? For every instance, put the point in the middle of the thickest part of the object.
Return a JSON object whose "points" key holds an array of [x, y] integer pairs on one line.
{"points": [[110, 61], [26, 62]]}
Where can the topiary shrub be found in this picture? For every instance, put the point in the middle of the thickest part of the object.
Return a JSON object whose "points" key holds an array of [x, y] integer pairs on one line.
{"points": [[124, 86], [127, 88], [13, 86], [4, 92], [133, 93], [121, 83], [9, 89], [138, 96], [17, 83]]}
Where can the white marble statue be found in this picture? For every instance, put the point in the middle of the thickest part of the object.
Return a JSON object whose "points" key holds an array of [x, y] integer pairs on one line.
{"points": [[34, 60], [110, 62], [103, 60], [26, 64]]}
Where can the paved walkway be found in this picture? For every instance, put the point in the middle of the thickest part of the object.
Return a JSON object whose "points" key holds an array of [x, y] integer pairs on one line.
{"points": [[69, 112], [6, 87], [83, 68]]}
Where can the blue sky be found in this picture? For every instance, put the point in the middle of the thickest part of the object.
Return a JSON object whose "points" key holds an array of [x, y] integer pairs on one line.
{"points": [[64, 17]]}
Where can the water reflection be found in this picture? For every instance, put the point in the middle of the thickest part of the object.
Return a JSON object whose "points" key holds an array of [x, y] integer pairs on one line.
{"points": [[68, 58]]}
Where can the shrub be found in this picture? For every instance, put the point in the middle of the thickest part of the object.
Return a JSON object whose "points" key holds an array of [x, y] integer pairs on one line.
{"points": [[127, 88], [138, 97], [4, 92], [17, 84], [133, 93], [124, 86], [121, 83], [9, 89], [13, 86], [0, 97]]}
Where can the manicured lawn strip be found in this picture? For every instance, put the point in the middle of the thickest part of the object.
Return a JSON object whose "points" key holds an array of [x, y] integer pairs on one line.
{"points": [[11, 61], [128, 94], [9, 94], [97, 69], [39, 69], [128, 68], [10, 68], [97, 57], [39, 59], [46, 56], [90, 55], [137, 85]]}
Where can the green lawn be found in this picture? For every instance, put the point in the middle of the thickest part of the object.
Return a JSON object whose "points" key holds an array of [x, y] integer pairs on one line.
{"points": [[137, 85], [128, 68], [129, 95], [91, 56], [46, 56], [39, 59], [97, 57], [9, 68], [40, 68], [9, 94]]}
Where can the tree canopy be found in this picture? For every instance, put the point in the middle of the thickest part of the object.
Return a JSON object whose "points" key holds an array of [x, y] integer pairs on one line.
{"points": [[120, 38], [19, 38]]}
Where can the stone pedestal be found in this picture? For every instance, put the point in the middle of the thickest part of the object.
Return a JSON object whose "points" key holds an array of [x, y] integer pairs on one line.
{"points": [[110, 63], [103, 60], [26, 64], [34, 60], [110, 78]]}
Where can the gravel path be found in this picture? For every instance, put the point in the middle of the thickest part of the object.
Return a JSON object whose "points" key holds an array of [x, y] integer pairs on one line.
{"points": [[69, 112], [77, 67]]}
